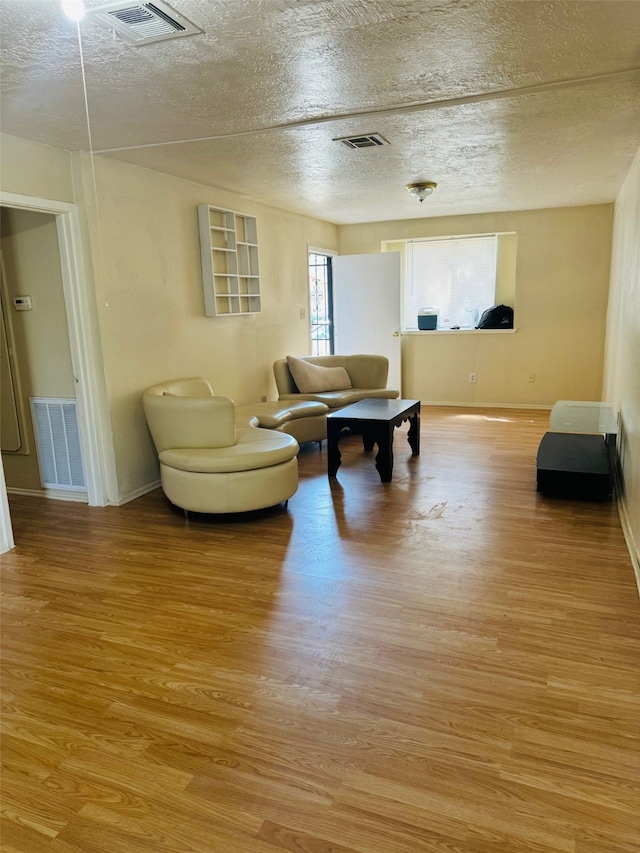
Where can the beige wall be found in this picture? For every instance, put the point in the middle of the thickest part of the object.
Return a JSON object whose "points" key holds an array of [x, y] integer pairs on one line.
{"points": [[144, 244], [146, 260], [41, 172], [31, 169], [32, 266], [562, 274], [622, 365]]}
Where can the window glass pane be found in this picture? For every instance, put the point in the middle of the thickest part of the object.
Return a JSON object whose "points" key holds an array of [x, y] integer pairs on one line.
{"points": [[320, 302], [456, 276]]}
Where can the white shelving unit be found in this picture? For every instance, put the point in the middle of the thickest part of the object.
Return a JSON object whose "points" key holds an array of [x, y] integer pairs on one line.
{"points": [[230, 271]]}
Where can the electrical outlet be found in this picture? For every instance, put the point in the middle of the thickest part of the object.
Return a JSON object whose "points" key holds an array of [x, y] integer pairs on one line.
{"points": [[532, 377], [473, 377], [303, 313]]}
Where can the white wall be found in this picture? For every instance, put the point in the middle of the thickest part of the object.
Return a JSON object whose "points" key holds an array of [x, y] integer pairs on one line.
{"points": [[622, 366]]}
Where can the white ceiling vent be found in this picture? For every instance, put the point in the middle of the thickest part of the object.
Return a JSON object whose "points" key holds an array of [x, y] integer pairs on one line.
{"points": [[143, 23], [371, 140]]}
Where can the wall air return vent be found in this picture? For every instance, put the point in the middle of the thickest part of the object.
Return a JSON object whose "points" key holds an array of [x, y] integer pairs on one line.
{"points": [[143, 23], [370, 140], [55, 424]]}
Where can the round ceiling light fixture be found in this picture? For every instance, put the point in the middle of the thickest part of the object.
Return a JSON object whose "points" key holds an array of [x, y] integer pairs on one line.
{"points": [[73, 9], [421, 189]]}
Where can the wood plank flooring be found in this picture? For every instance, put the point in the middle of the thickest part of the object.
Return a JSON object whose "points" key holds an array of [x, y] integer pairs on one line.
{"points": [[446, 663]]}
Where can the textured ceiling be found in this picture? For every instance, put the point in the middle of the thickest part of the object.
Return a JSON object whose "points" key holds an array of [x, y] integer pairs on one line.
{"points": [[507, 105]]}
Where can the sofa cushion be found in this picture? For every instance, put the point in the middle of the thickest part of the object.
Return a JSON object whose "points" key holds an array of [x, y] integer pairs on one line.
{"points": [[338, 399], [255, 448], [274, 414], [312, 378]]}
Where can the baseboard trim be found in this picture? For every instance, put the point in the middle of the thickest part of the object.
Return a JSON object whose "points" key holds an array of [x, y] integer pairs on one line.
{"points": [[632, 545], [51, 494], [138, 493], [81, 497], [533, 406]]}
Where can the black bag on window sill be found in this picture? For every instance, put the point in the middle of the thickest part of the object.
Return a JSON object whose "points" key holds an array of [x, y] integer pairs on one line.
{"points": [[498, 317]]}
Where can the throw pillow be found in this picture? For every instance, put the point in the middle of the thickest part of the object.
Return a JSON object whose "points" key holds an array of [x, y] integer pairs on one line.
{"points": [[313, 378]]}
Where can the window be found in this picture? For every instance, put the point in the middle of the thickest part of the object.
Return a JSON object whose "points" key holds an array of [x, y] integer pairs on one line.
{"points": [[456, 276], [321, 303]]}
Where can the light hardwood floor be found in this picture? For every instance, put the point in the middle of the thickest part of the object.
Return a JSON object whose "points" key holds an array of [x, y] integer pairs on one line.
{"points": [[446, 663]]}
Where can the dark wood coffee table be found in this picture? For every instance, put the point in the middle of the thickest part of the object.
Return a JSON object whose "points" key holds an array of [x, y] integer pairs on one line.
{"points": [[376, 419]]}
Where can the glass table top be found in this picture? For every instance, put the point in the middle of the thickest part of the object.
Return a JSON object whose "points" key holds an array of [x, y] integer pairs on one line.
{"points": [[582, 416]]}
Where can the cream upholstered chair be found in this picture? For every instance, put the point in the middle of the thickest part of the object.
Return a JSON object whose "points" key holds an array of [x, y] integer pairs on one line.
{"points": [[207, 463]]}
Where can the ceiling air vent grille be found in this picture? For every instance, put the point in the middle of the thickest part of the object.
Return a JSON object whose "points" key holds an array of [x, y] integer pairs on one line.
{"points": [[370, 140], [144, 23]]}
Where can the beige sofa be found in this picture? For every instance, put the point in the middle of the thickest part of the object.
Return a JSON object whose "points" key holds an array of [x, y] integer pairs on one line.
{"points": [[210, 462], [356, 377], [303, 419]]}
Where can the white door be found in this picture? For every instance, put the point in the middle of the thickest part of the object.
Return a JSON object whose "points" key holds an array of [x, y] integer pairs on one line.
{"points": [[366, 308]]}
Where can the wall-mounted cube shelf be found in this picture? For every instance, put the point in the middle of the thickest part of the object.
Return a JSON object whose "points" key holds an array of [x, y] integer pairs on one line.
{"points": [[230, 272]]}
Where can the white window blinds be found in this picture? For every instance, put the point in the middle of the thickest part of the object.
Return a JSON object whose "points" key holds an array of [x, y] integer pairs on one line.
{"points": [[454, 275]]}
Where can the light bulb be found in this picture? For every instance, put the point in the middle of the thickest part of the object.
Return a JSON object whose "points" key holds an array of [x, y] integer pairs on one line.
{"points": [[73, 9]]}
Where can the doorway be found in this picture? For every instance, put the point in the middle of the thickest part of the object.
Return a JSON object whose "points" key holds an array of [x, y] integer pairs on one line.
{"points": [[38, 413], [88, 378]]}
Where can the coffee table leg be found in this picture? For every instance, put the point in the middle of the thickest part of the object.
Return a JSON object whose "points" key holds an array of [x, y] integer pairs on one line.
{"points": [[414, 433], [368, 438], [384, 459], [333, 451]]}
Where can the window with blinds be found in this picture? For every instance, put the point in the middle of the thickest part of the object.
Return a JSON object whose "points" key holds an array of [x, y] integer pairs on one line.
{"points": [[456, 276]]}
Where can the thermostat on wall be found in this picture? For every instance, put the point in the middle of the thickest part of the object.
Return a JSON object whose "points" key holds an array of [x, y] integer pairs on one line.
{"points": [[22, 303]]}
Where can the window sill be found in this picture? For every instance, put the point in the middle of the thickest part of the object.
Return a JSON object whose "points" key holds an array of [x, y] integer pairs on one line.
{"points": [[424, 332]]}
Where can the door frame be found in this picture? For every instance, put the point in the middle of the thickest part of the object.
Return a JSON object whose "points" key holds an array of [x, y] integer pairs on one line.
{"points": [[86, 359]]}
